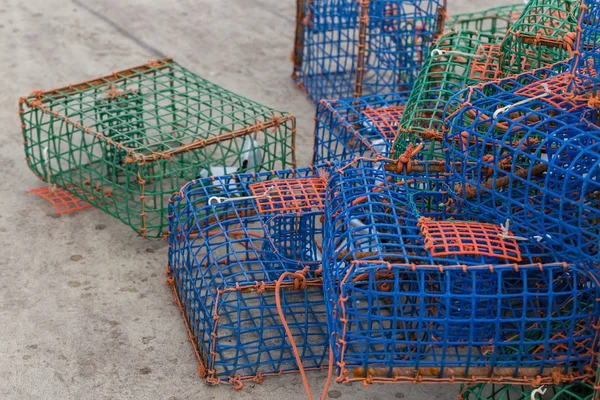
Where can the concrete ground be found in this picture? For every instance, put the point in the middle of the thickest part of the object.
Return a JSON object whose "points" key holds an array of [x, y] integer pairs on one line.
{"points": [[84, 311]]}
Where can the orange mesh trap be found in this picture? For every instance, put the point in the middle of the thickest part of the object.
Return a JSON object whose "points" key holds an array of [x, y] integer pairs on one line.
{"points": [[297, 194], [62, 201], [446, 238], [385, 120]]}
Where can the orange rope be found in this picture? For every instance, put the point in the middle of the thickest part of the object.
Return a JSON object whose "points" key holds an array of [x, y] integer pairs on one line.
{"points": [[300, 283]]}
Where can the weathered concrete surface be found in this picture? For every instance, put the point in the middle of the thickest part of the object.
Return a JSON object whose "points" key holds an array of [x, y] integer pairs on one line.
{"points": [[84, 312]]}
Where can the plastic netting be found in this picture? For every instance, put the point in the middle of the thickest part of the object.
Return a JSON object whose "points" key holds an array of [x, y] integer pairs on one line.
{"points": [[231, 239], [538, 167], [399, 313], [446, 71], [357, 127], [125, 142], [481, 391], [62, 201], [492, 21], [522, 149], [351, 48], [543, 35]]}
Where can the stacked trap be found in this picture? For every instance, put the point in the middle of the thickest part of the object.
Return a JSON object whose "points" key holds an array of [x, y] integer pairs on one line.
{"points": [[419, 291], [234, 241], [125, 142], [351, 48]]}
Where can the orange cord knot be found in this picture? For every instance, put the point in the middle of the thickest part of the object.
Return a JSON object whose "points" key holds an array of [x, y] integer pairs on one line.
{"points": [[594, 102], [259, 377], [202, 371], [405, 160], [236, 381]]}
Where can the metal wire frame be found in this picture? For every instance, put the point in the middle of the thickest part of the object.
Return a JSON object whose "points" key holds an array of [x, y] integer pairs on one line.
{"points": [[125, 142], [397, 313], [225, 256], [350, 48], [344, 129], [492, 21]]}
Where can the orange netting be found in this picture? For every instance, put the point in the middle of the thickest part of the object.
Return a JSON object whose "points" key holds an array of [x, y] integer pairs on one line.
{"points": [[385, 119], [62, 201], [445, 238], [486, 64], [556, 92], [297, 194]]}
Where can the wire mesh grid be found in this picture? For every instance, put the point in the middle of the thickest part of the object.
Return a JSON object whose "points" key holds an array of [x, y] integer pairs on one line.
{"points": [[537, 166], [523, 149], [492, 21], [543, 35], [399, 313], [351, 48], [357, 127], [446, 70], [125, 142], [225, 256]]}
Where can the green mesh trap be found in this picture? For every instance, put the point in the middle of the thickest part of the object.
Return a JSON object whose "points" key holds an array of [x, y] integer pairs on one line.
{"points": [[572, 391], [447, 70], [543, 35], [125, 142], [493, 21]]}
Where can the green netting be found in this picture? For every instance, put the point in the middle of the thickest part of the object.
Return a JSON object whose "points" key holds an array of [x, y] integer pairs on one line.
{"points": [[481, 391], [125, 142], [543, 35], [493, 21], [449, 68]]}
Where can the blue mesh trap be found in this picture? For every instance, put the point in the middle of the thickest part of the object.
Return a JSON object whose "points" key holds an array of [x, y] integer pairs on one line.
{"points": [[357, 127], [524, 150], [351, 48], [403, 309], [231, 239]]}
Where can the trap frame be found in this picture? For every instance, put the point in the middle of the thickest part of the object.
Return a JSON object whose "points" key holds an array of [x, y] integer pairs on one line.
{"points": [[357, 127], [235, 241], [399, 312], [125, 142], [351, 48]]}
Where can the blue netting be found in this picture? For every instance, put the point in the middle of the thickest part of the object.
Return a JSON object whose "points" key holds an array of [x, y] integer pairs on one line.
{"points": [[399, 312], [347, 128], [524, 150], [224, 259], [350, 48]]}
